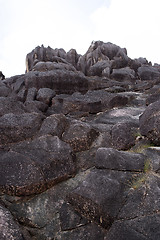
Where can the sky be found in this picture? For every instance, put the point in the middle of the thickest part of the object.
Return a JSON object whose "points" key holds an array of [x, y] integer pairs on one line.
{"points": [[25, 24]]}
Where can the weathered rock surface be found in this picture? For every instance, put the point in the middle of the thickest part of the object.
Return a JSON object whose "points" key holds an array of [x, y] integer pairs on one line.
{"points": [[15, 128], [150, 122], [79, 148], [35, 165], [8, 228]]}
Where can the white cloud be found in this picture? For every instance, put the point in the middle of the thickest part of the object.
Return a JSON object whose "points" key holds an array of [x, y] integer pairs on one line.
{"points": [[132, 24]]}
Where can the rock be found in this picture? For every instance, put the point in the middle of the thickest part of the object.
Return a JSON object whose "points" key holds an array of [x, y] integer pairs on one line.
{"points": [[50, 66], [42, 54], [70, 219], [99, 51], [15, 128], [123, 231], [116, 116], [9, 229], [109, 158], [2, 77], [4, 91], [45, 95], [61, 81], [100, 196], [124, 135], [54, 125], [123, 74], [150, 121], [10, 105], [63, 126], [153, 98], [80, 136], [31, 94], [36, 106], [90, 231], [92, 102], [148, 73], [38, 165], [98, 68], [72, 57]]}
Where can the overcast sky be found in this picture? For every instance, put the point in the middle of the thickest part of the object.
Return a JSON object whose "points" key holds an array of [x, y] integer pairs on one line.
{"points": [[25, 24]]}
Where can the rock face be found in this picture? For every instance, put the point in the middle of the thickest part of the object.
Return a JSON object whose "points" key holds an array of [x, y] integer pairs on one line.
{"points": [[79, 147]]}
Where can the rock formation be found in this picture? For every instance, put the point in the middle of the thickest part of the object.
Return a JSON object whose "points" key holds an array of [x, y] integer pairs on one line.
{"points": [[80, 147]]}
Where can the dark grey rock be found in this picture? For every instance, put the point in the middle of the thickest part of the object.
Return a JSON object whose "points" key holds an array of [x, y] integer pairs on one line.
{"points": [[122, 231], [100, 196], [10, 105], [62, 81], [93, 102], [153, 98], [123, 74], [148, 73], [69, 219], [45, 95], [109, 158], [4, 91], [97, 68], [31, 94], [80, 135], [124, 135], [36, 106], [15, 128], [54, 125], [9, 229], [72, 57], [89, 231], [150, 122], [38, 165], [50, 66], [2, 77]]}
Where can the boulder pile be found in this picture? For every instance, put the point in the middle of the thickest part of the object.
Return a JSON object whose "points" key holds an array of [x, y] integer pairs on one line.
{"points": [[80, 147]]}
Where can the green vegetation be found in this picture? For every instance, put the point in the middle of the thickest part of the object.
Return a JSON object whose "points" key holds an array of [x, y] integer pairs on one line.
{"points": [[140, 148], [139, 180]]}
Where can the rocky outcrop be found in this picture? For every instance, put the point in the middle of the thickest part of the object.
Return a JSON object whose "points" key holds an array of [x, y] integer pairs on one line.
{"points": [[79, 147]]}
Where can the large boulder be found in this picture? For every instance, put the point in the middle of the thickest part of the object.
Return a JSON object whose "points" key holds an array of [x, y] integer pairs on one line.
{"points": [[16, 127], [10, 105], [93, 102], [148, 73], [62, 81], [31, 167], [124, 135], [123, 74], [45, 95], [99, 51], [100, 196], [109, 158], [54, 125], [80, 136], [150, 122]]}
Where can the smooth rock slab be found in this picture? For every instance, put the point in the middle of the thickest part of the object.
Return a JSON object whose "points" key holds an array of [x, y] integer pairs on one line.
{"points": [[9, 229], [35, 166]]}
